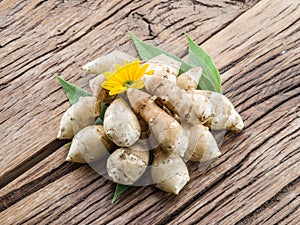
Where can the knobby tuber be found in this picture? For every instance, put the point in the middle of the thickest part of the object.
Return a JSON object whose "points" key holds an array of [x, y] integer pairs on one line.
{"points": [[189, 80], [127, 165], [165, 128], [202, 144], [223, 113], [98, 92], [78, 116], [121, 124], [169, 172], [201, 105], [173, 96], [95, 86], [89, 144], [164, 67]]}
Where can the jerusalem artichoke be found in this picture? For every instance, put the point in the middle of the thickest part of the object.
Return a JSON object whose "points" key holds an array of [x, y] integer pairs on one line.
{"points": [[164, 67], [189, 80], [95, 85], [89, 144], [173, 96], [201, 104], [169, 172], [121, 124], [78, 116], [202, 144], [98, 92], [224, 115], [168, 132], [127, 165]]}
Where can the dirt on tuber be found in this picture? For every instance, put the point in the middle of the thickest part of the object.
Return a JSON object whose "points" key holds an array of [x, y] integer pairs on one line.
{"points": [[175, 98]]}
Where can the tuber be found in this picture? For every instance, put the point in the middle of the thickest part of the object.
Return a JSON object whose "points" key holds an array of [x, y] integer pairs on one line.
{"points": [[126, 165], [169, 172], [78, 116], [202, 144], [121, 124], [100, 93], [224, 115], [164, 67], [174, 97], [89, 144], [201, 104], [168, 132], [95, 86], [189, 80]]}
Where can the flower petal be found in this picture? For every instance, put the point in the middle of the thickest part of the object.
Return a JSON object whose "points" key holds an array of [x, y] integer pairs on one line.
{"points": [[117, 90], [149, 72], [128, 75], [142, 70], [139, 84]]}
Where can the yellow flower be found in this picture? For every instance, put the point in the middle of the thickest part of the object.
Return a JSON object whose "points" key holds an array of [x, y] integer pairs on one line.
{"points": [[124, 77]]}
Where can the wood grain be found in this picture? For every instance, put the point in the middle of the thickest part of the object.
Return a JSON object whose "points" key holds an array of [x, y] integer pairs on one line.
{"points": [[37, 177], [41, 38], [257, 178]]}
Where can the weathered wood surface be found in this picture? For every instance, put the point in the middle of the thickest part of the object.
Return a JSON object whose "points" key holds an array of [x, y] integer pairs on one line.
{"points": [[256, 44], [39, 39]]}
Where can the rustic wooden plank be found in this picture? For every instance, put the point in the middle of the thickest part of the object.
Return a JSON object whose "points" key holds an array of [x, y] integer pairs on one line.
{"points": [[272, 125], [292, 218], [41, 38]]}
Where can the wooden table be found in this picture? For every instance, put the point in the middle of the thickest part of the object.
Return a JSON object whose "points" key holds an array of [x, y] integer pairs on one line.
{"points": [[256, 46]]}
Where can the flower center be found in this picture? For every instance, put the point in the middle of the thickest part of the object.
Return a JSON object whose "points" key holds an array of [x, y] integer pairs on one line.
{"points": [[128, 83]]}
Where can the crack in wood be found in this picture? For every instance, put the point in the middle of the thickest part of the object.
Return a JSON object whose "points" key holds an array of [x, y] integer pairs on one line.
{"points": [[197, 2], [247, 219], [31, 161], [39, 4], [16, 195]]}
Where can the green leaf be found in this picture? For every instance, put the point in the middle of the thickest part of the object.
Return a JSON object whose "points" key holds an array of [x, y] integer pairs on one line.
{"points": [[73, 92], [103, 108], [210, 79], [147, 52], [100, 119], [119, 190]]}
